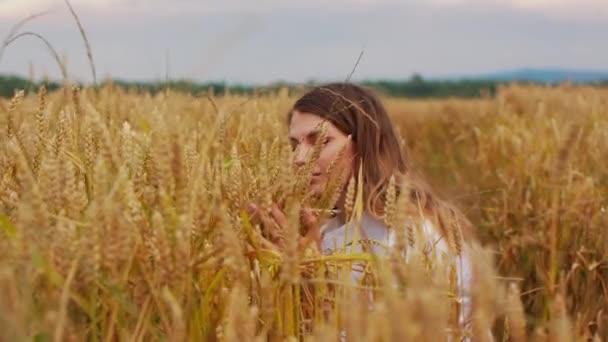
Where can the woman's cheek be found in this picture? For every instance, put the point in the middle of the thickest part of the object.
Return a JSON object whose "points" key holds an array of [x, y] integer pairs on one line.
{"points": [[324, 160]]}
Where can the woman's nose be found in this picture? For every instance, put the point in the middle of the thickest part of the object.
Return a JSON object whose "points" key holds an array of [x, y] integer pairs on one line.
{"points": [[300, 156]]}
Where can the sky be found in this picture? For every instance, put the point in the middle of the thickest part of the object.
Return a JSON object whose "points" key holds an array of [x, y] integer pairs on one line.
{"points": [[263, 41]]}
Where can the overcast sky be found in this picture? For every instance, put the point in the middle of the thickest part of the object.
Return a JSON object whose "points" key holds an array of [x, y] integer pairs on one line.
{"points": [[263, 41]]}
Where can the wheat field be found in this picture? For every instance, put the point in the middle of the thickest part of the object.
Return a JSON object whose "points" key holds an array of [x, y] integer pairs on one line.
{"points": [[122, 218]]}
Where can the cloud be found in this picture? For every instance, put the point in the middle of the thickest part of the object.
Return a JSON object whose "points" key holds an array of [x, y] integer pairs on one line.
{"points": [[573, 9], [565, 8], [589, 9], [12, 8], [296, 41], [9, 8]]}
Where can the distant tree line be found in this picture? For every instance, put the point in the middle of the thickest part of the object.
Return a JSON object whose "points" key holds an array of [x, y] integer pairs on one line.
{"points": [[415, 87], [10, 84]]}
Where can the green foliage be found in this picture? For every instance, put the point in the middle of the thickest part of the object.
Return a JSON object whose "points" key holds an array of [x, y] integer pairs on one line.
{"points": [[419, 88], [416, 87], [10, 84]]}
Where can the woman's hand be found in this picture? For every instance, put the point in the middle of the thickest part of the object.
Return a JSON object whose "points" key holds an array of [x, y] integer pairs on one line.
{"points": [[275, 225]]}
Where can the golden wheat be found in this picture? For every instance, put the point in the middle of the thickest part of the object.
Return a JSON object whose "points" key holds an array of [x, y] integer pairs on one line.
{"points": [[123, 217]]}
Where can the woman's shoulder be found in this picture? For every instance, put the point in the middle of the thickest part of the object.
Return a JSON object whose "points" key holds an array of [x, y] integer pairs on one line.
{"points": [[433, 237], [423, 236]]}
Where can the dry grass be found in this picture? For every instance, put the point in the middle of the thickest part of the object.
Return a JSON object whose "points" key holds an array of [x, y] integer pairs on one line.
{"points": [[123, 217]]}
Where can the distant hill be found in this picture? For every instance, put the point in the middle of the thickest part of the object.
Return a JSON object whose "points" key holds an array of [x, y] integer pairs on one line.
{"points": [[545, 76]]}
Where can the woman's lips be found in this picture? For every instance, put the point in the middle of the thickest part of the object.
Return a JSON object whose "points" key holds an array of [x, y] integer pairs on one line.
{"points": [[315, 177]]}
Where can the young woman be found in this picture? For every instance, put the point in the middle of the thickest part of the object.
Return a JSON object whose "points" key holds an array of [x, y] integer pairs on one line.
{"points": [[360, 132]]}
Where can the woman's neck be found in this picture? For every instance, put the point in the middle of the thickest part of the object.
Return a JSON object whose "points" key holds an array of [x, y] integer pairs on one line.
{"points": [[341, 212]]}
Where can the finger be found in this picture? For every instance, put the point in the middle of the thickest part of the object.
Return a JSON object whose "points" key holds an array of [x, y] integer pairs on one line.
{"points": [[278, 216], [270, 227], [265, 243], [249, 250], [254, 213], [308, 218], [269, 224], [311, 224], [252, 208]]}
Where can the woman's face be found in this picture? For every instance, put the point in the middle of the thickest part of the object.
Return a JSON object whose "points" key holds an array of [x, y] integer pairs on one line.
{"points": [[303, 131]]}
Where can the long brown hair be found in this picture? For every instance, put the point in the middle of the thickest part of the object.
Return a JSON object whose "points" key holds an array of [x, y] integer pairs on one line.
{"points": [[357, 111]]}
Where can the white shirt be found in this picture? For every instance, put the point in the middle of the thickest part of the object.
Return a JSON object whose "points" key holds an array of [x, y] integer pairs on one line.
{"points": [[339, 238]]}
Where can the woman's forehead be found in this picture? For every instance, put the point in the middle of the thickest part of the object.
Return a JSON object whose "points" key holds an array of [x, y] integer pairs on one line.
{"points": [[304, 123]]}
